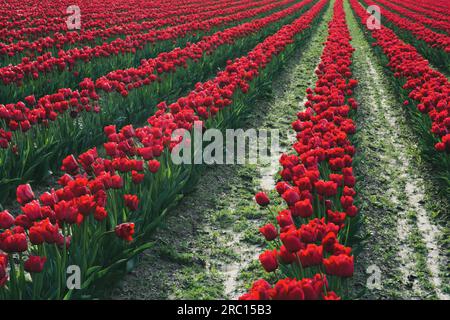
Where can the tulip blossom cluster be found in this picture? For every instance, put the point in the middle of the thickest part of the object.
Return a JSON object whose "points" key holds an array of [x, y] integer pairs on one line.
{"points": [[172, 15], [428, 87], [23, 115], [407, 12], [105, 203], [307, 239], [291, 289], [124, 80], [436, 9], [433, 39], [29, 20], [67, 59], [430, 7]]}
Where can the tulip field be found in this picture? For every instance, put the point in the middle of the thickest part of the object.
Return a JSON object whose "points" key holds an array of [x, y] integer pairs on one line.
{"points": [[97, 98]]}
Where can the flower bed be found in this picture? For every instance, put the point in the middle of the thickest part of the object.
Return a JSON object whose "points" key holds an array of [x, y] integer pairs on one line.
{"points": [[307, 240]]}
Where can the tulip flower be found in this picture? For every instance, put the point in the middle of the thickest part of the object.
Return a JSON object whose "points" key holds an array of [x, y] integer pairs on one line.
{"points": [[125, 231], [269, 261], [24, 194], [6, 219], [340, 265], [153, 166], [35, 264], [131, 201], [269, 231], [262, 199]]}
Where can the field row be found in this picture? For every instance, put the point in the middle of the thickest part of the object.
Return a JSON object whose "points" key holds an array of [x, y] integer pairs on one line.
{"points": [[309, 244]]}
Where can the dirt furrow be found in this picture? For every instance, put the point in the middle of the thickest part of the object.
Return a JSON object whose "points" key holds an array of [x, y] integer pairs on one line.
{"points": [[396, 220]]}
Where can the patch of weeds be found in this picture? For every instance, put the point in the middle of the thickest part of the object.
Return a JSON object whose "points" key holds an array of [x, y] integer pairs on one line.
{"points": [[223, 218], [195, 283], [171, 254], [252, 212], [225, 254], [253, 236], [420, 254]]}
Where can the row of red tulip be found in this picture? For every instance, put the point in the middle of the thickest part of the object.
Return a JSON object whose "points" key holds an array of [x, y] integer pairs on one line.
{"points": [[439, 15], [308, 246], [431, 6], [67, 60], [24, 115], [123, 193], [28, 20], [432, 10], [426, 86], [417, 17], [20, 19], [433, 39], [180, 15]]}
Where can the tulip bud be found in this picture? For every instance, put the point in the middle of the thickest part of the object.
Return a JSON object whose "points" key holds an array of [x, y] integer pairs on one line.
{"points": [[262, 199]]}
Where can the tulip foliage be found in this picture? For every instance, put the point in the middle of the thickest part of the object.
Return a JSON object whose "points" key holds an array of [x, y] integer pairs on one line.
{"points": [[112, 197], [307, 241]]}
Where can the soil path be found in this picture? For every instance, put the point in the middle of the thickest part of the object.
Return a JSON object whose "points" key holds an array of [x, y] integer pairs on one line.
{"points": [[399, 234]]}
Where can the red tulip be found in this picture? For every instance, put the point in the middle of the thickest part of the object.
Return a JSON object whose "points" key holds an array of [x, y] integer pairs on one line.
{"points": [[66, 212], [262, 199], [331, 295], [311, 256], [70, 165], [15, 243], [286, 256], [35, 264], [340, 265], [328, 241], [137, 177], [269, 231], [303, 208], [268, 260], [3, 276], [100, 213], [351, 211], [116, 182], [153, 166], [291, 240], [6, 219], [125, 231], [24, 194], [291, 196], [131, 201], [32, 210]]}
